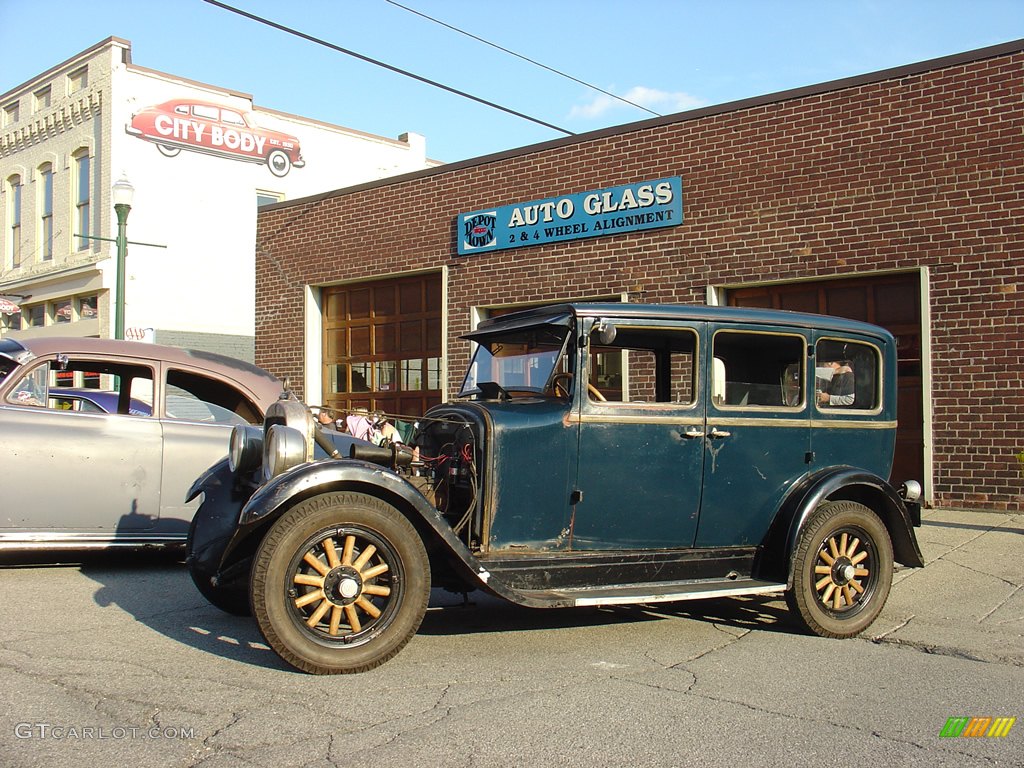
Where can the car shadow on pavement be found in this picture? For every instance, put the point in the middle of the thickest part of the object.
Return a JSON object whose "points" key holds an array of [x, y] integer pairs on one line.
{"points": [[159, 594], [758, 612], [448, 615], [156, 590]]}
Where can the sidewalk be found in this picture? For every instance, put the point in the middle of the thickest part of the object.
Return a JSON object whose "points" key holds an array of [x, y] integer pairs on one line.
{"points": [[968, 600]]}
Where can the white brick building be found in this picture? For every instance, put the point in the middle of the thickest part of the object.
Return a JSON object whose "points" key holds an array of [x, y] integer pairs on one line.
{"points": [[200, 159]]}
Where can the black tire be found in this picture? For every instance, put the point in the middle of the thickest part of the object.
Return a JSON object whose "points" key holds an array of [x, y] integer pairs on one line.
{"points": [[202, 558], [279, 163], [340, 584], [168, 150], [842, 570]]}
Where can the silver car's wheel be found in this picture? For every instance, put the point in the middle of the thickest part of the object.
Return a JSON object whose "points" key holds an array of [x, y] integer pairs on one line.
{"points": [[340, 584]]}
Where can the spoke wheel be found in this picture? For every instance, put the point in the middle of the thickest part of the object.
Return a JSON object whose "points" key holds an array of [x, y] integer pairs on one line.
{"points": [[842, 570], [340, 584]]}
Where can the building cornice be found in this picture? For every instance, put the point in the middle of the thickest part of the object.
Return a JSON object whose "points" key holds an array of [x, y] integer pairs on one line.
{"points": [[67, 115]]}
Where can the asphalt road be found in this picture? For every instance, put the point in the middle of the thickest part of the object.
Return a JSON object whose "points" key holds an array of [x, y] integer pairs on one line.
{"points": [[121, 662]]}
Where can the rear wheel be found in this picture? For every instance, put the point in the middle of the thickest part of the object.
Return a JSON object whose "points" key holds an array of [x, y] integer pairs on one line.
{"points": [[842, 570], [340, 584]]}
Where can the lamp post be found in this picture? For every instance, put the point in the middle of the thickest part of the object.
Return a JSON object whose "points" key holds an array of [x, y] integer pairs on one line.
{"points": [[123, 192]]}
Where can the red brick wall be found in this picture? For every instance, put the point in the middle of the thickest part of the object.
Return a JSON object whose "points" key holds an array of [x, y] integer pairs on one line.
{"points": [[917, 170]]}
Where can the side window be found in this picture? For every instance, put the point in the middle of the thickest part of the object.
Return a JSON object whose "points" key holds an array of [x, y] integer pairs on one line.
{"points": [[124, 389], [645, 366], [32, 389], [757, 370], [192, 397], [846, 375]]}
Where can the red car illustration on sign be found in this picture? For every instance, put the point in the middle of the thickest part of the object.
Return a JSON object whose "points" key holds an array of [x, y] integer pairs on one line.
{"points": [[206, 127]]}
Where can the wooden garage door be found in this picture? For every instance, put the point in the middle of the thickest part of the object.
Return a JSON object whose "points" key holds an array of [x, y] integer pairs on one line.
{"points": [[891, 301], [382, 345]]}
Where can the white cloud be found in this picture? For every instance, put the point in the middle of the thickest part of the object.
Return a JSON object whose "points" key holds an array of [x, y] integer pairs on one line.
{"points": [[662, 102]]}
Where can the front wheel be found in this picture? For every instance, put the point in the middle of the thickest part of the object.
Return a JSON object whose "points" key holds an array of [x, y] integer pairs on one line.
{"points": [[279, 163], [340, 584], [842, 570]]}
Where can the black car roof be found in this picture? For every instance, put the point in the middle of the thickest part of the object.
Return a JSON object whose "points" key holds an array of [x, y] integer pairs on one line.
{"points": [[694, 312]]}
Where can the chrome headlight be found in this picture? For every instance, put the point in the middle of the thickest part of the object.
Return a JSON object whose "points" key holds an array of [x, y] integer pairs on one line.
{"points": [[284, 448], [910, 490], [245, 451]]}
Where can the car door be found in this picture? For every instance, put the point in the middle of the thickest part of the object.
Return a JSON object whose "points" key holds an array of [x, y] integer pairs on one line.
{"points": [[758, 430], [77, 470], [641, 429], [198, 412]]}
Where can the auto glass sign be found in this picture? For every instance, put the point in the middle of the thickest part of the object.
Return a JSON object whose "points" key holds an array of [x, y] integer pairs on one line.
{"points": [[644, 205]]}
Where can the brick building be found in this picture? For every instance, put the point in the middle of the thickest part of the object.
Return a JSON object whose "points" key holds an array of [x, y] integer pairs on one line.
{"points": [[894, 197]]}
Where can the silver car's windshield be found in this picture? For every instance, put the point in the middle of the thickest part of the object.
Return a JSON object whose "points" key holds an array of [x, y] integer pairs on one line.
{"points": [[6, 366], [521, 359]]}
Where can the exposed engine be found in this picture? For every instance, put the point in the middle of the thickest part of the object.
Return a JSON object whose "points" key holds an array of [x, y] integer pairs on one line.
{"points": [[443, 463]]}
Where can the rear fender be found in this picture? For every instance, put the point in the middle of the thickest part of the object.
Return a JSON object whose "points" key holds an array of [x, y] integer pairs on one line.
{"points": [[847, 483]]}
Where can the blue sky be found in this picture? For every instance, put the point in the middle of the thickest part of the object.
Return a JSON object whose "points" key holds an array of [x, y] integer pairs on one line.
{"points": [[668, 56]]}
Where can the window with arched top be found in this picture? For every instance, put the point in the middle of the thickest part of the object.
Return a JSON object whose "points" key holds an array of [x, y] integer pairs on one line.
{"points": [[14, 188], [46, 211], [82, 198]]}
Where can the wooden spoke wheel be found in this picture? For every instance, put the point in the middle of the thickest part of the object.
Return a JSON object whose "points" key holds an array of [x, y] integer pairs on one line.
{"points": [[340, 584], [842, 570]]}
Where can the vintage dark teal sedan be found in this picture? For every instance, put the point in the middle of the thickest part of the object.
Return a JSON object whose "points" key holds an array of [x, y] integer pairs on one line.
{"points": [[597, 454]]}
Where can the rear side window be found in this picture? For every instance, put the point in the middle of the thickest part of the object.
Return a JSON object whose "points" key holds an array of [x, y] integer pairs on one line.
{"points": [[193, 397], [758, 370], [846, 375]]}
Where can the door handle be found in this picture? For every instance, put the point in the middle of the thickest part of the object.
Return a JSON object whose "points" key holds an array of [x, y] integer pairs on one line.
{"points": [[718, 433], [692, 433]]}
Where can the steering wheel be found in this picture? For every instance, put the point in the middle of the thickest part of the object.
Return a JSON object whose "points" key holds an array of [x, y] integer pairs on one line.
{"points": [[561, 383]]}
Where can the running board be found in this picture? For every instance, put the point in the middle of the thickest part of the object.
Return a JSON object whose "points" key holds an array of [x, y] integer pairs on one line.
{"points": [[660, 592]]}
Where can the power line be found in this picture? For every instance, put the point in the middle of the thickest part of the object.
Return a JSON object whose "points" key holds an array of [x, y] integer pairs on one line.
{"points": [[524, 58], [360, 56]]}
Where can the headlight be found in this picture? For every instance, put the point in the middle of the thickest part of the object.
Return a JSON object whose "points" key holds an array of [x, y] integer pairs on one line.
{"points": [[245, 451], [910, 490], [285, 447]]}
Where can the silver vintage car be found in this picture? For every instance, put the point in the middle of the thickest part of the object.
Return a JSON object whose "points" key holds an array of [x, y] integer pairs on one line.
{"points": [[117, 474]]}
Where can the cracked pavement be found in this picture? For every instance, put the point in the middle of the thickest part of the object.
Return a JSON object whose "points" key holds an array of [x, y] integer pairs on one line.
{"points": [[129, 650]]}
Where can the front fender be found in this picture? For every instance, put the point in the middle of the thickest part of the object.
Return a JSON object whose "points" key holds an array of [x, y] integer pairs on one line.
{"points": [[283, 492], [215, 522], [848, 483]]}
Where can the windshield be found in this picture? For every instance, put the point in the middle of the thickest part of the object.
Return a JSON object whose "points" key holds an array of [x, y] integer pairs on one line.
{"points": [[6, 366], [520, 359]]}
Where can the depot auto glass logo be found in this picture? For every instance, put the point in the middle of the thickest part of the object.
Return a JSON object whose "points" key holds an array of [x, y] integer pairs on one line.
{"points": [[217, 130], [478, 230]]}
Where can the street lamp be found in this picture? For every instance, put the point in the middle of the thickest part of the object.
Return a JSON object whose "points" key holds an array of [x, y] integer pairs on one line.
{"points": [[123, 193]]}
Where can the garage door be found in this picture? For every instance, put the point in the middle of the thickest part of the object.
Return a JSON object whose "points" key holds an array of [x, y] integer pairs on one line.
{"points": [[382, 345], [891, 301]]}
